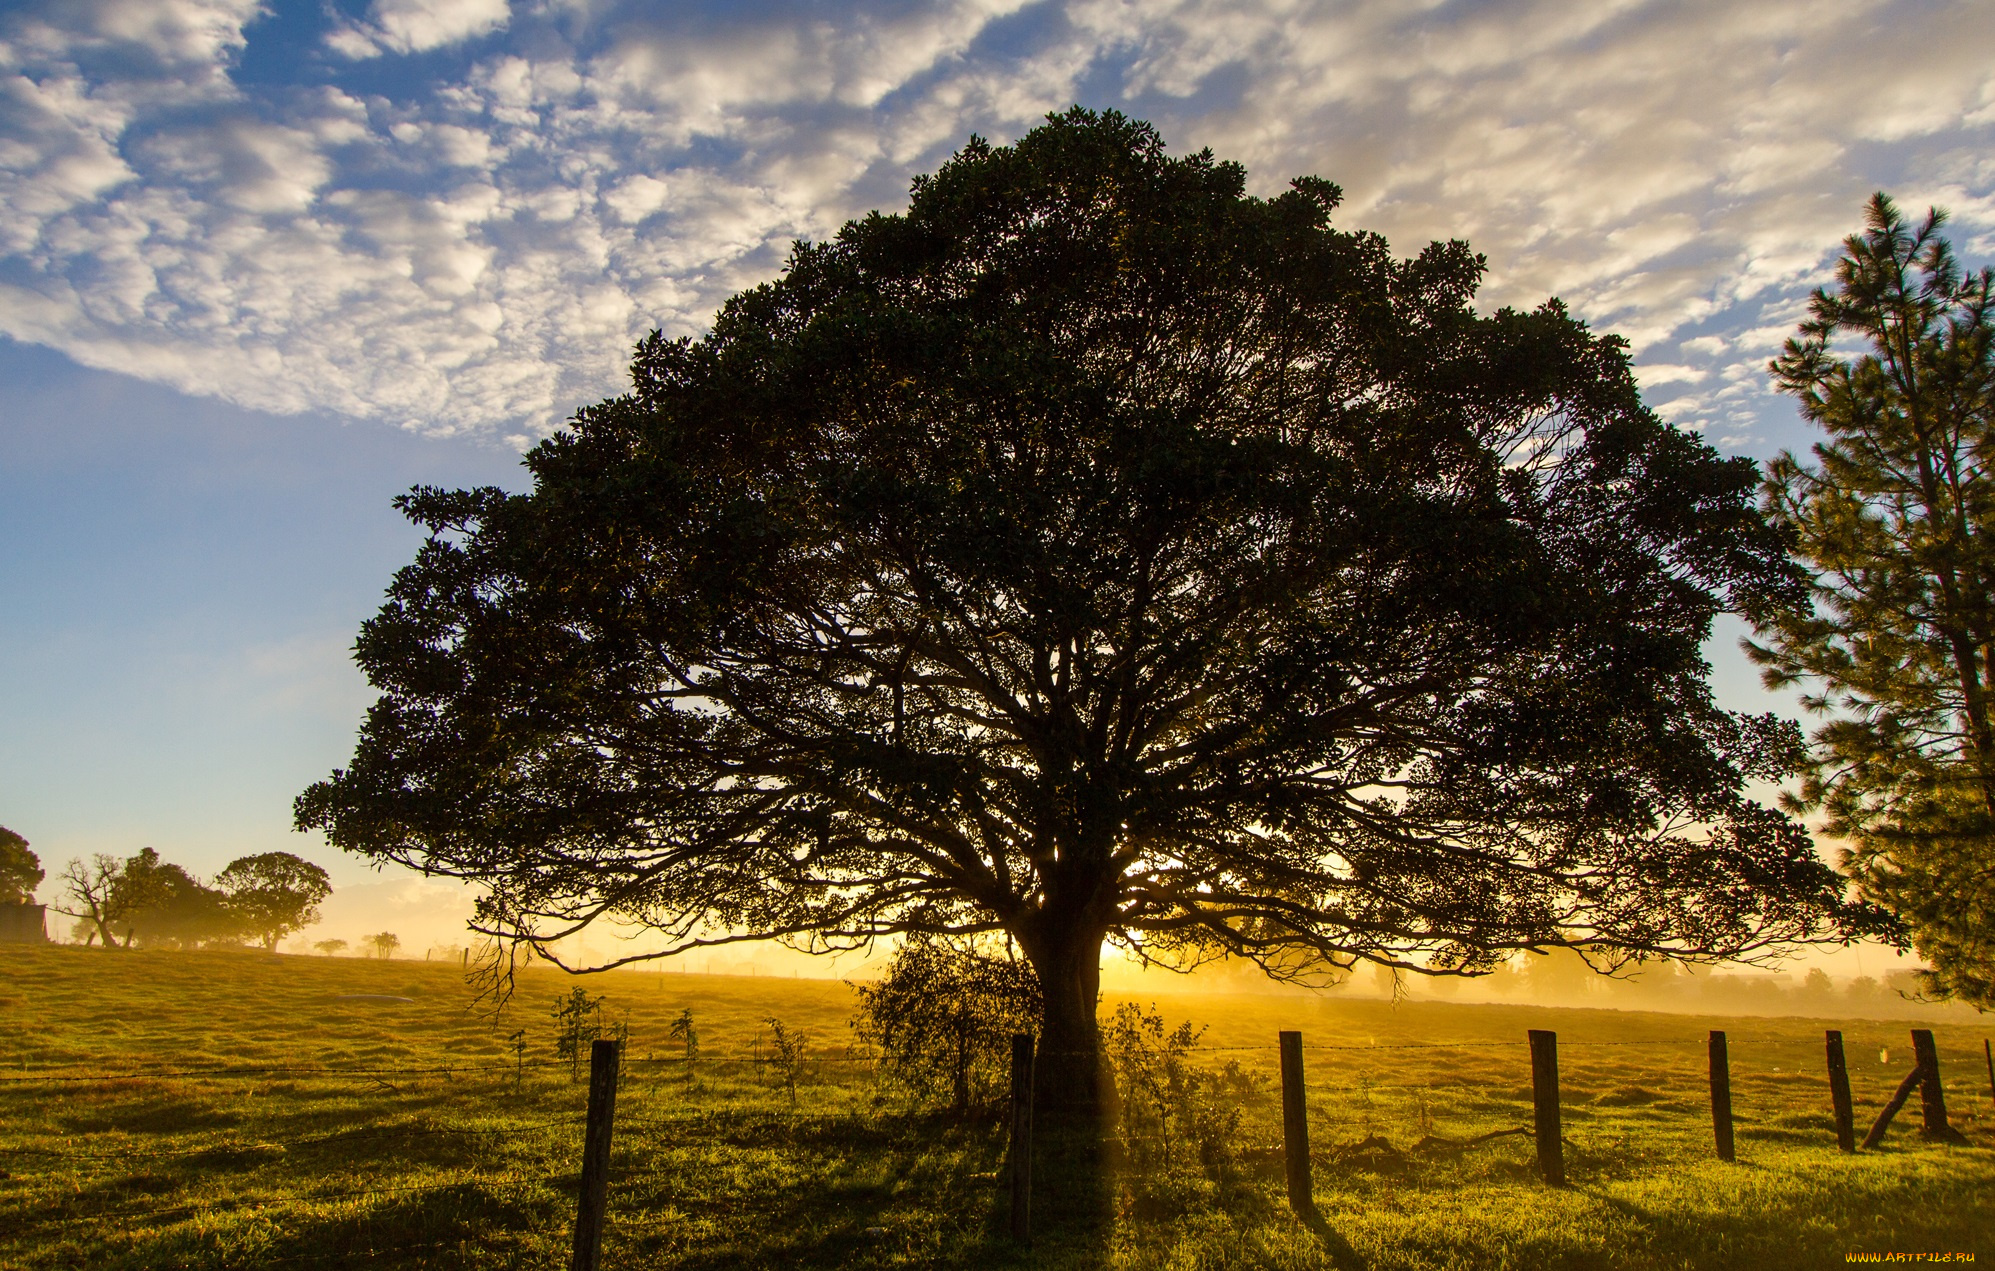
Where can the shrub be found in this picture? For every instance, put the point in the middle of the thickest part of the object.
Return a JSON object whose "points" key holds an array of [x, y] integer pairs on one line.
{"points": [[943, 1017], [1173, 1114]]}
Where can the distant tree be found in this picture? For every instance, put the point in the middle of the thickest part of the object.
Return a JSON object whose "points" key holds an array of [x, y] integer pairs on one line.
{"points": [[329, 947], [92, 895], [20, 869], [274, 894], [159, 903], [943, 1016], [385, 943], [1095, 553], [1817, 991], [1895, 522]]}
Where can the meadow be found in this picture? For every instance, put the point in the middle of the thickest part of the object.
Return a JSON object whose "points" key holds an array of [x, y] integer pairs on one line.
{"points": [[234, 1110]]}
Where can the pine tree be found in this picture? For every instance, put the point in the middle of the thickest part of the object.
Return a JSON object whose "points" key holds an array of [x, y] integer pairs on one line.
{"points": [[1896, 521]]}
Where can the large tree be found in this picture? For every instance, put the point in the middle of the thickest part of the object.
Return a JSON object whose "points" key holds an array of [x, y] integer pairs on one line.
{"points": [[1895, 521], [273, 894], [1096, 553]]}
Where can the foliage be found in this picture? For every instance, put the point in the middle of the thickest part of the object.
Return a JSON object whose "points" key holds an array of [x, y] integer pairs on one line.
{"points": [[943, 1017], [1174, 1113], [1895, 520], [578, 1021], [1095, 552], [146, 900], [385, 943], [685, 1031], [20, 869], [159, 903], [789, 1049], [329, 947], [273, 894]]}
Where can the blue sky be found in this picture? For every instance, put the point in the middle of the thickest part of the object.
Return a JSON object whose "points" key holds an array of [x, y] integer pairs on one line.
{"points": [[262, 266]]}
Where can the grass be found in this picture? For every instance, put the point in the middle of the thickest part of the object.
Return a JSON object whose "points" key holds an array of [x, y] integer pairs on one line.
{"points": [[427, 1148]]}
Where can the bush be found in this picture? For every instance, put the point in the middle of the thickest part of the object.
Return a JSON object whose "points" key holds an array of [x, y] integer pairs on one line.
{"points": [[1174, 1116], [943, 1017]]}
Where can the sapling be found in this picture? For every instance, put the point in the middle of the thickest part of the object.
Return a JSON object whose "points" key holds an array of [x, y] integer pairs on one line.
{"points": [[684, 1030], [787, 1056], [518, 1040], [578, 1020]]}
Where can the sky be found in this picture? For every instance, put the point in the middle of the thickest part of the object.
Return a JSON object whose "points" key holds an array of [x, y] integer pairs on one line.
{"points": [[265, 265]]}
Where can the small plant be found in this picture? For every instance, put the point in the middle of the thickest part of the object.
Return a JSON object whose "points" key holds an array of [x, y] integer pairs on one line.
{"points": [[578, 1020], [1174, 1114], [786, 1058], [684, 1030], [518, 1042]]}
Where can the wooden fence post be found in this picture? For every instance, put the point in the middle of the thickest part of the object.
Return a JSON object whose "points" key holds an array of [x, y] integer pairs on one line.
{"points": [[1295, 1126], [1721, 1096], [1988, 1053], [1839, 1093], [1932, 1096], [1021, 1137], [604, 1059], [1545, 1105]]}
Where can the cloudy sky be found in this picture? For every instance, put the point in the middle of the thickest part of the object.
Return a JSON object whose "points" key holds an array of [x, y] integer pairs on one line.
{"points": [[262, 265]]}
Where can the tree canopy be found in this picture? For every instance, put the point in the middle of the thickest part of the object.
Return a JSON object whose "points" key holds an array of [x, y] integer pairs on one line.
{"points": [[159, 903], [273, 894], [20, 869], [1097, 552], [1895, 521]]}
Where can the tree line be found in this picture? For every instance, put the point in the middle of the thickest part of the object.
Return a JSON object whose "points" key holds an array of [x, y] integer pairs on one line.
{"points": [[144, 900]]}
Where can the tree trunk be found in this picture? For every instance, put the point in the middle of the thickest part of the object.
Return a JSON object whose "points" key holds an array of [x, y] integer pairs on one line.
{"points": [[1067, 1070]]}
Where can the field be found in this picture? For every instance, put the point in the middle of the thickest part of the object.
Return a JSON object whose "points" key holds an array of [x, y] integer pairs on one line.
{"points": [[348, 1128]]}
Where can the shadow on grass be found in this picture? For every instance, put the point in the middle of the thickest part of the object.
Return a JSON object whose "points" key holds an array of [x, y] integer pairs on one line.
{"points": [[1339, 1250], [918, 1192], [472, 1224]]}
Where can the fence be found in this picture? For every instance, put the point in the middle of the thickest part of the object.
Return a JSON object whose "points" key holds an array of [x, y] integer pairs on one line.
{"points": [[594, 1203]]}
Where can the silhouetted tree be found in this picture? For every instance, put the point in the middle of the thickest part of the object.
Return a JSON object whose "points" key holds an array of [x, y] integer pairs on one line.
{"points": [[91, 896], [1895, 520], [1094, 553], [20, 869], [160, 903], [385, 943], [273, 894]]}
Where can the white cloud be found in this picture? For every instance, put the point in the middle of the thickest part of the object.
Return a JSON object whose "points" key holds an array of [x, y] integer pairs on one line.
{"points": [[416, 26], [479, 251]]}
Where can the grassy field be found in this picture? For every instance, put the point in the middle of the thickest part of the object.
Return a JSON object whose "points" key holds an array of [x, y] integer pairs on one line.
{"points": [[347, 1128]]}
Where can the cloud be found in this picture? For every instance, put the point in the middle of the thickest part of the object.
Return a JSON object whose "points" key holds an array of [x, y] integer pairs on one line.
{"points": [[474, 245], [416, 26]]}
